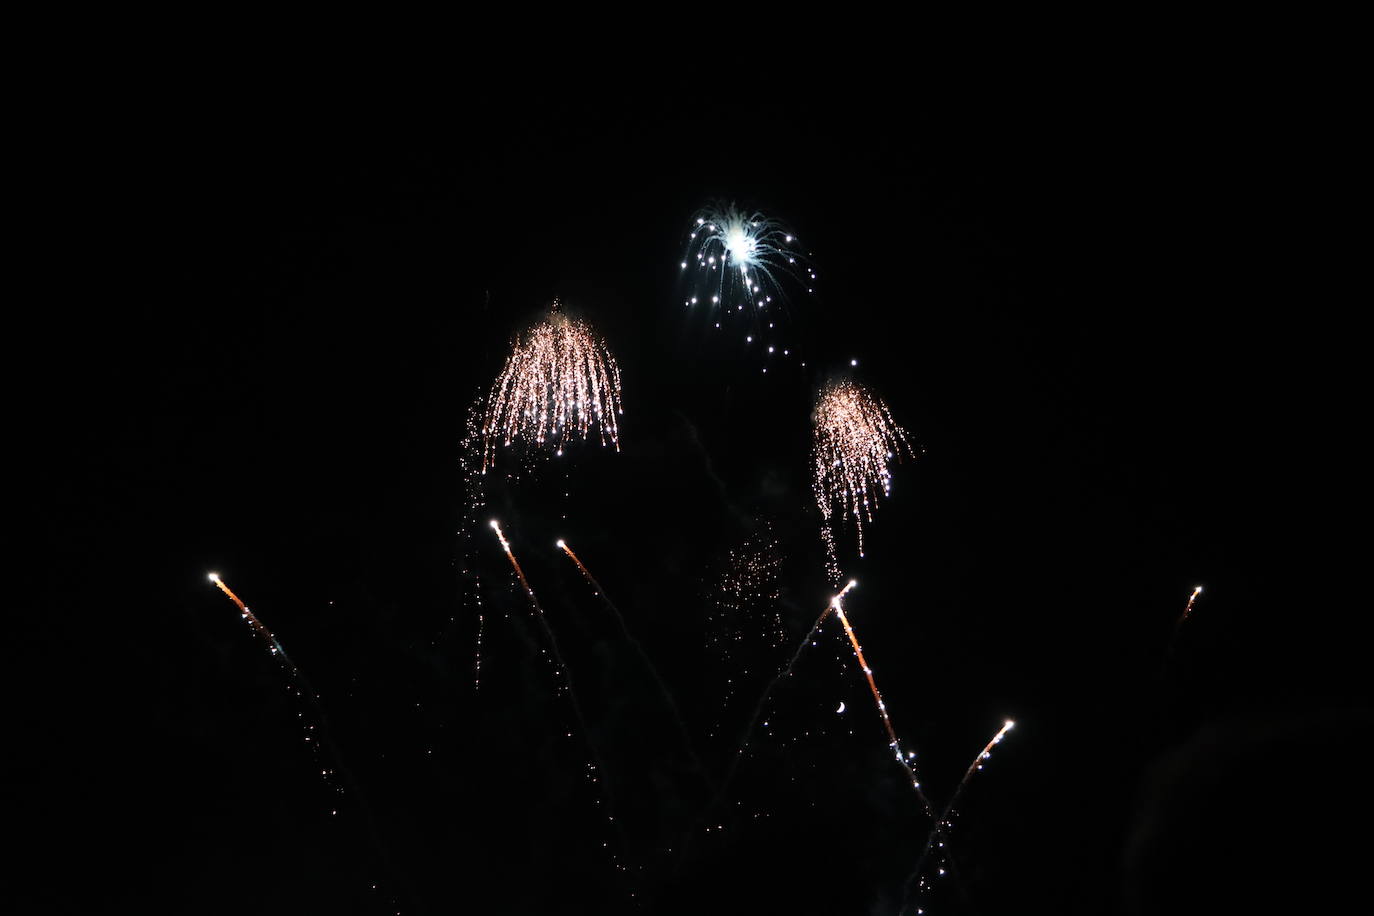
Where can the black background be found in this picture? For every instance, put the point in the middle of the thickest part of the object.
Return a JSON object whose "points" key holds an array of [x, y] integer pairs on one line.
{"points": [[1086, 295]]}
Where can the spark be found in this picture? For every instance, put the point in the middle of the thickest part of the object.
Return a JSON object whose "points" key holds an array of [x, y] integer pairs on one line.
{"points": [[943, 823], [559, 383], [743, 257], [854, 444]]}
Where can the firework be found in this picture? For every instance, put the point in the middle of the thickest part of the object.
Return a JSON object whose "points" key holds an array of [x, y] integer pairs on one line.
{"points": [[943, 823], [643, 656], [744, 609], [738, 262], [560, 383], [855, 442], [1178, 626], [562, 668]]}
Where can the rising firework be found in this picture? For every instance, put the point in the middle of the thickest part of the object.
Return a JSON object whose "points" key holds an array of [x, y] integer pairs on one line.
{"points": [[560, 383], [944, 824], [856, 441], [737, 263]]}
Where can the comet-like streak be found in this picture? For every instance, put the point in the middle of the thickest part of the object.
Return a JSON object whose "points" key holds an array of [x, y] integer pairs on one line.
{"points": [[320, 741], [643, 655], [603, 780], [943, 823], [1178, 626]]}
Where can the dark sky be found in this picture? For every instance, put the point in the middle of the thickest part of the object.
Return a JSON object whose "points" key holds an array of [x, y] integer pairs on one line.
{"points": [[1073, 291]]}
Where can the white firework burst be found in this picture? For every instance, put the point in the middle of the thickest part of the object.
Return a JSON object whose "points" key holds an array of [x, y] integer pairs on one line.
{"points": [[737, 262]]}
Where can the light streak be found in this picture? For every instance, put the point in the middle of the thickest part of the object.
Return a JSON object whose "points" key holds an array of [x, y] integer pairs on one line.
{"points": [[943, 823], [603, 782], [559, 383], [667, 695], [855, 441]]}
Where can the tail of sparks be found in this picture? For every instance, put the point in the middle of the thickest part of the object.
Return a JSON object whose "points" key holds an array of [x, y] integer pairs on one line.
{"points": [[334, 774], [643, 655], [1178, 626], [943, 824], [599, 768], [837, 606]]}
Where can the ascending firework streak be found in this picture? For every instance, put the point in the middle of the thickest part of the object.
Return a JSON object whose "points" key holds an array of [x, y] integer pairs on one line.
{"points": [[258, 628], [319, 742], [644, 657], [1178, 625], [601, 780], [943, 823], [560, 381], [837, 605], [855, 440]]}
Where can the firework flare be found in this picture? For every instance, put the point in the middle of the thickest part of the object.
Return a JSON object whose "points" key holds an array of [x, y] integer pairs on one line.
{"points": [[560, 383], [943, 824], [855, 442], [736, 263], [744, 610]]}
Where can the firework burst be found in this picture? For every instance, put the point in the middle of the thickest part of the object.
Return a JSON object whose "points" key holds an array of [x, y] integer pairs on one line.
{"points": [[855, 442], [559, 383], [738, 261]]}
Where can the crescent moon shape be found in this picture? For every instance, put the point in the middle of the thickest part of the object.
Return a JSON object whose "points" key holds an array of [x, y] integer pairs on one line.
{"points": [[841, 709]]}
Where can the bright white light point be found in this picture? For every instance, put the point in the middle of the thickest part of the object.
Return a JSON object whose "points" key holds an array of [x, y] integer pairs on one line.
{"points": [[559, 543], [841, 709], [770, 349], [852, 582], [214, 577], [493, 524], [1010, 724], [684, 265], [748, 340], [853, 362]]}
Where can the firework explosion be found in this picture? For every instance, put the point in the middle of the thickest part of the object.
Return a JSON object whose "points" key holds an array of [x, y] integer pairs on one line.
{"points": [[736, 263], [855, 441], [744, 610], [559, 383]]}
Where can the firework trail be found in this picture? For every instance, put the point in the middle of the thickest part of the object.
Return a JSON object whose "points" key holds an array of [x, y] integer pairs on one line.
{"points": [[602, 780], [758, 708], [475, 499], [559, 382], [643, 656], [855, 441], [943, 823], [1178, 627], [320, 743]]}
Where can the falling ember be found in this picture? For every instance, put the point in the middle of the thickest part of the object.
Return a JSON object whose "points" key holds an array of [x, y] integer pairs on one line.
{"points": [[1191, 598], [855, 442], [255, 623], [559, 383]]}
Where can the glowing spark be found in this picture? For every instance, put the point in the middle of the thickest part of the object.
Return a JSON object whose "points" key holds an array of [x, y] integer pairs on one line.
{"points": [[943, 822], [855, 442], [559, 382], [841, 709], [743, 256]]}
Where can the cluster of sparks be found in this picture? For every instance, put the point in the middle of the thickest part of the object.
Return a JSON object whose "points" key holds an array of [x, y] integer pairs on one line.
{"points": [[559, 383], [744, 607], [856, 441], [736, 265]]}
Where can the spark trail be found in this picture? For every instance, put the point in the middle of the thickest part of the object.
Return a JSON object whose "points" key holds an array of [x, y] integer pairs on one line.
{"points": [[336, 776], [643, 655], [1178, 627], [943, 823], [601, 778]]}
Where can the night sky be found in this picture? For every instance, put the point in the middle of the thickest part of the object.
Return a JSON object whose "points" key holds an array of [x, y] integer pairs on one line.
{"points": [[257, 359]]}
